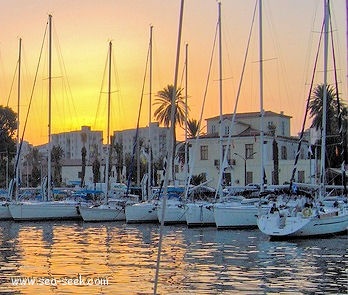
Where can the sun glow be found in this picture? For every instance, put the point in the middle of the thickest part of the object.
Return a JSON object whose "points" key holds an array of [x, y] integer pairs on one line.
{"points": [[82, 30]]}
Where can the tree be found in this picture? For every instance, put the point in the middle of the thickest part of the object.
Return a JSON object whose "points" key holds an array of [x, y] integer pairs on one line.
{"points": [[118, 148], [8, 127], [83, 158], [333, 139], [57, 154], [197, 179], [275, 152], [96, 171], [164, 110], [193, 128]]}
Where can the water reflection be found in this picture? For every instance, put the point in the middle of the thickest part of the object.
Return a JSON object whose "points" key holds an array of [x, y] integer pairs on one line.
{"points": [[121, 259]]}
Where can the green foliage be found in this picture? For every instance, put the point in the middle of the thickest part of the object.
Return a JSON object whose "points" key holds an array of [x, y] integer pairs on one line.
{"points": [[164, 110], [333, 138], [57, 154], [198, 179], [8, 127], [83, 172], [193, 128]]}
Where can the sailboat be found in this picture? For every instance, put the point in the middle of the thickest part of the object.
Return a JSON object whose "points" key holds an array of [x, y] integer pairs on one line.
{"points": [[4, 210], [48, 209], [199, 210], [145, 211], [242, 214], [111, 209], [313, 216]]}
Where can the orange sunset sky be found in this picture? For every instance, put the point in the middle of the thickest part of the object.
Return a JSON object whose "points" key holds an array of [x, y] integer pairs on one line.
{"points": [[83, 28]]}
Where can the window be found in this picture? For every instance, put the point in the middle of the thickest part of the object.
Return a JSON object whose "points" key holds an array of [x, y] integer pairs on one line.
{"points": [[213, 129], [249, 177], [283, 127], [204, 152], [301, 176], [227, 130], [283, 154], [249, 151]]}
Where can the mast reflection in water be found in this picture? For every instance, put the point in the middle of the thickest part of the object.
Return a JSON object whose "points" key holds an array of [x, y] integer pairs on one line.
{"points": [[114, 258]]}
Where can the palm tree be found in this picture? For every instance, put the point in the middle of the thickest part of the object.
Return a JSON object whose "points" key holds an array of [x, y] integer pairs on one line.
{"points": [[332, 127], [96, 171], [163, 112], [83, 158], [57, 154], [193, 128]]}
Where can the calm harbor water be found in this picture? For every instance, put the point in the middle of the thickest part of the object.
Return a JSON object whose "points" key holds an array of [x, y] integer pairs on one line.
{"points": [[115, 258]]}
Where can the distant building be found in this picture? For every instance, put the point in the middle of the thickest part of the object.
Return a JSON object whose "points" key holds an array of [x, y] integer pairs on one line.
{"points": [[159, 139], [242, 143], [72, 142]]}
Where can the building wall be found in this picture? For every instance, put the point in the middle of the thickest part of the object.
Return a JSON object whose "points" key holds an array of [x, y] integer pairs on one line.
{"points": [[159, 139], [238, 160], [71, 143], [252, 120]]}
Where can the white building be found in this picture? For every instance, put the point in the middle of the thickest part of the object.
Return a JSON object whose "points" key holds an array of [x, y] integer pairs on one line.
{"points": [[243, 165], [159, 139], [72, 142]]}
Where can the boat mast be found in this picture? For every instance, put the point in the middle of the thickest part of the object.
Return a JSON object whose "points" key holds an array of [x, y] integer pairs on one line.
{"points": [[108, 130], [170, 149], [220, 99], [262, 171], [49, 156], [149, 183], [323, 133], [18, 114], [186, 115]]}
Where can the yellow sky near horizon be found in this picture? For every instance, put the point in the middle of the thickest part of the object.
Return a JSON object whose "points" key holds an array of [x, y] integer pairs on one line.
{"points": [[82, 30]]}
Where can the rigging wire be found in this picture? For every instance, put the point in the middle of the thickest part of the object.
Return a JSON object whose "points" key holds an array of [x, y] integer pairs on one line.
{"points": [[191, 164], [13, 80], [135, 143], [101, 92], [65, 82], [343, 145], [292, 179], [31, 97]]}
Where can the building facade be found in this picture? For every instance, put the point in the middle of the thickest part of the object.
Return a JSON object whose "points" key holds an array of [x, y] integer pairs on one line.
{"points": [[241, 143], [156, 136]]}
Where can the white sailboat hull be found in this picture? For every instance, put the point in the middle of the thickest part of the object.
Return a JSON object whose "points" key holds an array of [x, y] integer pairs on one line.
{"points": [[236, 215], [4, 211], [277, 226], [141, 212], [174, 212], [102, 213], [44, 210], [200, 214]]}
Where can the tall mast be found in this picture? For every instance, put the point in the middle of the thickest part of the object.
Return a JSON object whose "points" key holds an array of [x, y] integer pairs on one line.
{"points": [[171, 145], [18, 115], [186, 114], [149, 183], [108, 129], [262, 171], [220, 94], [323, 133], [49, 157]]}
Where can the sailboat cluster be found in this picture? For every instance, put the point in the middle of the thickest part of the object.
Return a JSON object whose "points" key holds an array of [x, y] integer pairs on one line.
{"points": [[277, 212], [292, 210]]}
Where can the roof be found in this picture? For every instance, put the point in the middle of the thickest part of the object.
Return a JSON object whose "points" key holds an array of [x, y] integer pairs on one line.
{"points": [[250, 115]]}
